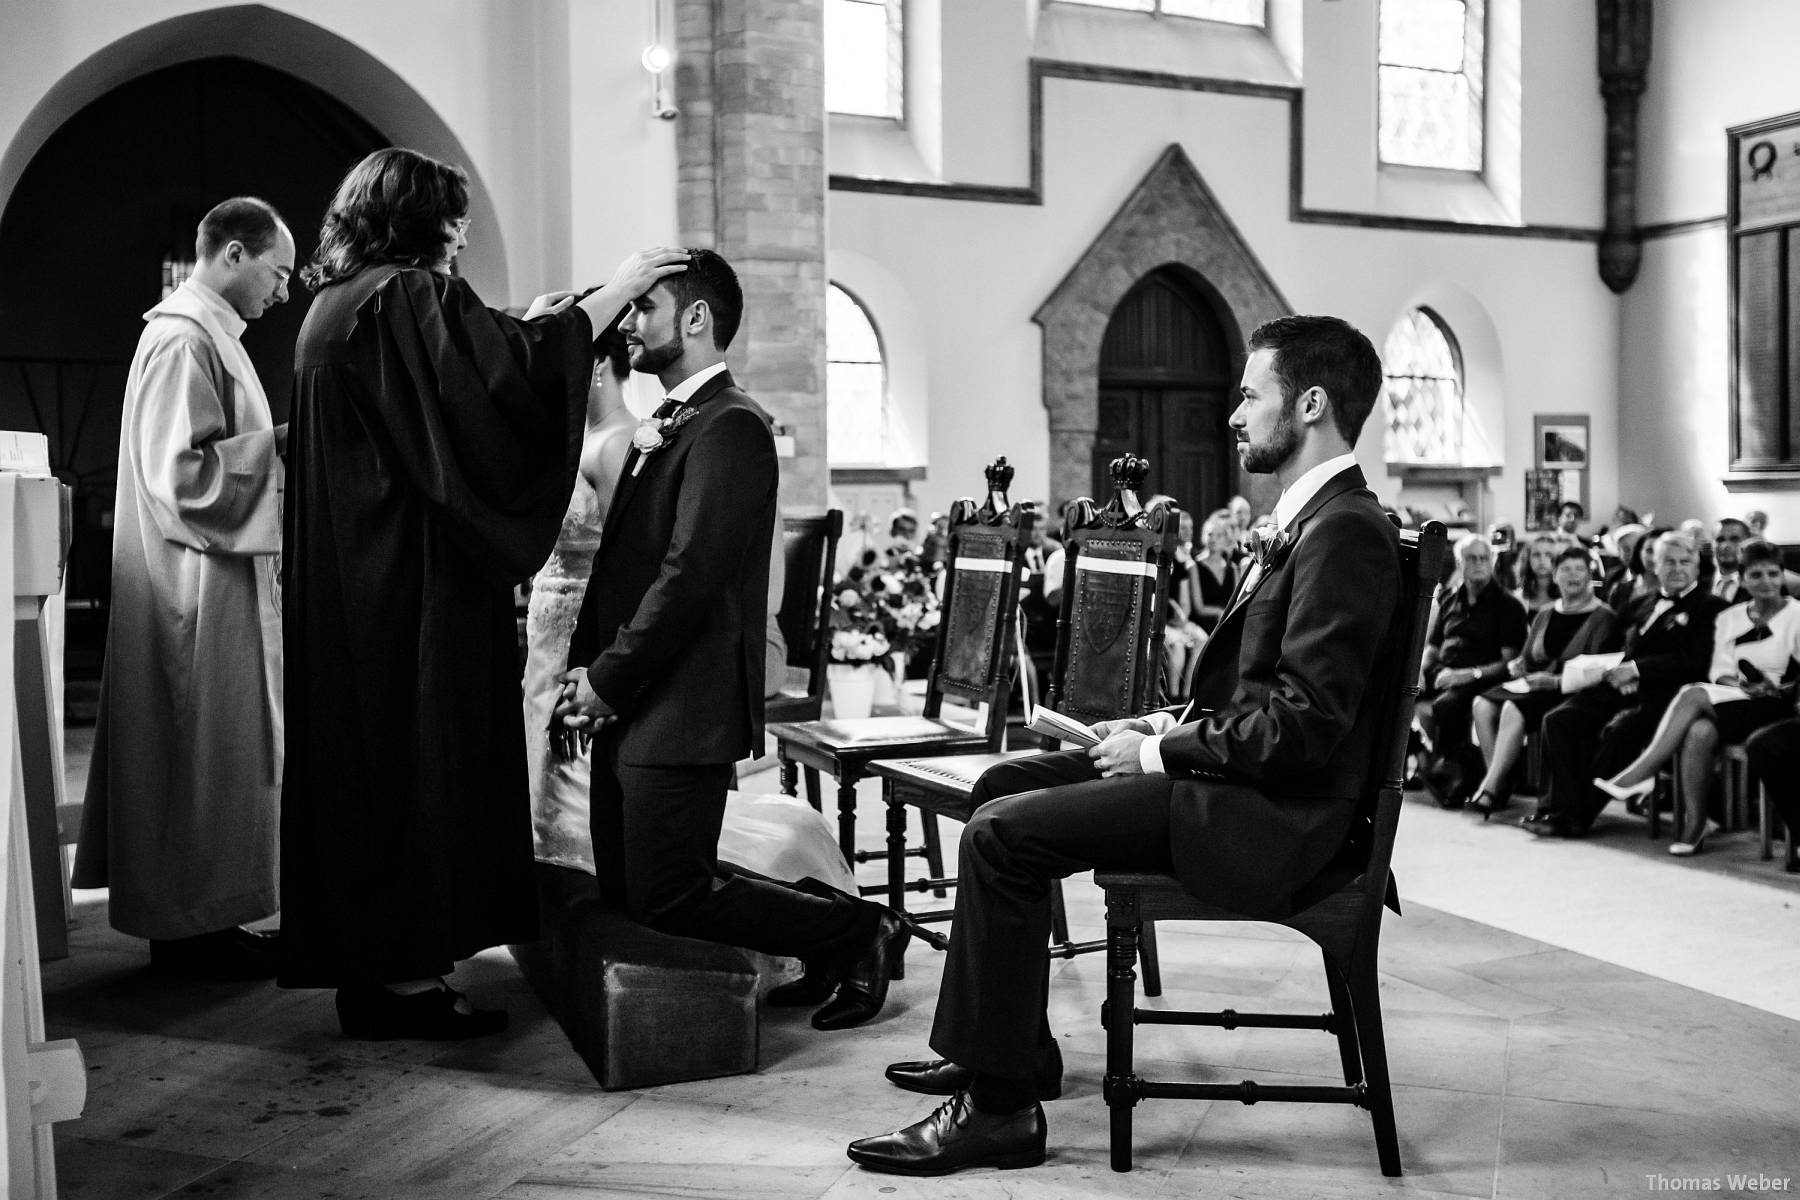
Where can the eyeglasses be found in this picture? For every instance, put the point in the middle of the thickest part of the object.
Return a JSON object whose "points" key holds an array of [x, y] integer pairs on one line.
{"points": [[462, 224]]}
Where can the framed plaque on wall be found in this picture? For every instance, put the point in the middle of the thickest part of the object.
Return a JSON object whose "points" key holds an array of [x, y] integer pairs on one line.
{"points": [[1763, 264]]}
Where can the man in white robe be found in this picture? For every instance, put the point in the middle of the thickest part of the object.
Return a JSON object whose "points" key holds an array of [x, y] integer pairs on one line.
{"points": [[183, 799]]}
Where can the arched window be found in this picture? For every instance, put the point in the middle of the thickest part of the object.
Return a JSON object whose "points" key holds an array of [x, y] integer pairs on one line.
{"points": [[1424, 392], [1431, 67], [1235, 12], [865, 58], [856, 416]]}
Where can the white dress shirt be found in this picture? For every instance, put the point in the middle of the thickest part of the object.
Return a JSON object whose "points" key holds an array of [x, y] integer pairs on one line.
{"points": [[1292, 502], [684, 390]]}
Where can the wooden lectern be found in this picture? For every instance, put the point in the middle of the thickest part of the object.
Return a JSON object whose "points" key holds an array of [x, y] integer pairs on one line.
{"points": [[45, 1082]]}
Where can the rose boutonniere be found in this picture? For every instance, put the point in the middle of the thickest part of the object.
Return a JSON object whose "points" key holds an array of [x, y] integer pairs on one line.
{"points": [[654, 433], [1681, 618], [1269, 545]]}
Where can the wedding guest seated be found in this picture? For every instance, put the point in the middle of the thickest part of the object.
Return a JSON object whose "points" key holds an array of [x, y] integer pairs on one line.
{"points": [[1478, 629], [1728, 540], [1577, 623], [1635, 580], [1569, 516], [1502, 538], [1183, 636], [1668, 643], [1755, 648], [1215, 577], [1774, 753], [1535, 566]]}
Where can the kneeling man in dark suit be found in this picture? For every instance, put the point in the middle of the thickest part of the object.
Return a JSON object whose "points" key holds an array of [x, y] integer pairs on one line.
{"points": [[1245, 802]]}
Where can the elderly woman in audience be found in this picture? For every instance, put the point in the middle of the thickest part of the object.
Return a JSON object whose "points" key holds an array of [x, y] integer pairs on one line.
{"points": [[1755, 646], [1574, 623], [1535, 566]]}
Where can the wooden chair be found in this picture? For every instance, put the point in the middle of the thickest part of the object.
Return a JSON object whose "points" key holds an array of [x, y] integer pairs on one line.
{"points": [[1117, 563], [809, 547], [1340, 911], [972, 665]]}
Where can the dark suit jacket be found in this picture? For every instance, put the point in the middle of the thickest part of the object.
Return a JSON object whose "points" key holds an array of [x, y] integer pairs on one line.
{"points": [[1273, 772], [1676, 650], [672, 627]]}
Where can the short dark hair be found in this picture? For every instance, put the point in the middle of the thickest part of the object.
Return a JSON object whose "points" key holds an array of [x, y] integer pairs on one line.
{"points": [[244, 219], [1725, 521], [1328, 353], [1759, 550], [1574, 554], [391, 208], [1580, 512], [710, 278]]}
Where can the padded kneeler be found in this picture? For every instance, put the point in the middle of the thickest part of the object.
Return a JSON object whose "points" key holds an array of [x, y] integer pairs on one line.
{"points": [[640, 1007]]}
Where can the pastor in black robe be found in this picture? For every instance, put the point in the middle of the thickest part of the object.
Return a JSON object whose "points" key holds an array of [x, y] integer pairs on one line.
{"points": [[432, 450]]}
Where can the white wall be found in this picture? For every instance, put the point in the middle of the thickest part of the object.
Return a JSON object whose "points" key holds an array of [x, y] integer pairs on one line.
{"points": [[1715, 65], [543, 101], [975, 272]]}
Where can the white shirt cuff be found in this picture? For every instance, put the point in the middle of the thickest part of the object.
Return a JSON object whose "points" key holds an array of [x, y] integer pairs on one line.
{"points": [[1150, 754], [1160, 722]]}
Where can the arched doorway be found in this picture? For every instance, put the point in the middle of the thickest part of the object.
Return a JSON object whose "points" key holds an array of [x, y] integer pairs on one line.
{"points": [[115, 192], [1166, 377]]}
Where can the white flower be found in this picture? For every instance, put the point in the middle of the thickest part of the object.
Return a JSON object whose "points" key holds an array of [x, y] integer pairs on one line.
{"points": [[647, 436]]}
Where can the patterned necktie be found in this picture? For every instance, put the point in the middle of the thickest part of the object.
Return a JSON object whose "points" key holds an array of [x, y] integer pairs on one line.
{"points": [[667, 408]]}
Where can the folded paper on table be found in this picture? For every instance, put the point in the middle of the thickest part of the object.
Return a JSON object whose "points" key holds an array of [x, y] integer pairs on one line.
{"points": [[1585, 670], [1051, 723]]}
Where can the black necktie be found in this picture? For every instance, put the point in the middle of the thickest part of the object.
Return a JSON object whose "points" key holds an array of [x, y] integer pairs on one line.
{"points": [[667, 408]]}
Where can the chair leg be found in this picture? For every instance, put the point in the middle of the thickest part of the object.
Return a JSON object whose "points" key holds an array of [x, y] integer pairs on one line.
{"points": [[1059, 915], [934, 851], [1365, 1002], [1765, 823], [790, 772], [847, 820], [896, 862], [1343, 1012], [1151, 958], [813, 796], [1119, 1087]]}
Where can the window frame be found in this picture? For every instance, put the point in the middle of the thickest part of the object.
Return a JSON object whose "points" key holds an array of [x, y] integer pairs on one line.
{"points": [[1460, 377], [885, 436], [1480, 105], [896, 67], [1156, 11]]}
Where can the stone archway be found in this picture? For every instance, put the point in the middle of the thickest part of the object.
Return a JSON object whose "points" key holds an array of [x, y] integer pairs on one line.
{"points": [[1171, 219]]}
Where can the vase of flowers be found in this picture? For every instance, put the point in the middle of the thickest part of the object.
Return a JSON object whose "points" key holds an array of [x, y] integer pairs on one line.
{"points": [[884, 604]]}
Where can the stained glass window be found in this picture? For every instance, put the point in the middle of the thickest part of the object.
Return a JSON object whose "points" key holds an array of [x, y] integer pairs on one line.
{"points": [[865, 62], [1236, 12], [1431, 83], [855, 384], [1424, 391]]}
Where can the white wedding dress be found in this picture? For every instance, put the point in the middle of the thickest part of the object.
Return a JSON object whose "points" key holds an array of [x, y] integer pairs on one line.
{"points": [[772, 834]]}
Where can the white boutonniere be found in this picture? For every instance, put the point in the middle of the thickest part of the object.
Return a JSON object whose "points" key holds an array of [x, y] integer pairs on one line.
{"points": [[654, 433], [1681, 618], [1269, 545]]}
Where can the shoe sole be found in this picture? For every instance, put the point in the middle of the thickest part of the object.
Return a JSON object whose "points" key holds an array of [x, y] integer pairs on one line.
{"points": [[1001, 1162]]}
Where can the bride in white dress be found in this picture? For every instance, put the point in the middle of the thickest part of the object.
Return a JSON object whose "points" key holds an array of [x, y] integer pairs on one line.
{"points": [[775, 835]]}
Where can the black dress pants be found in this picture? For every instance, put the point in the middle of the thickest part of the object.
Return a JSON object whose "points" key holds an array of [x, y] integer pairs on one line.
{"points": [[656, 852], [1774, 753], [1039, 819], [1593, 734]]}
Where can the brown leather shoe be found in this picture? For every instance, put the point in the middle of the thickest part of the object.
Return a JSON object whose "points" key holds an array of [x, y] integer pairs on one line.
{"points": [[955, 1138]]}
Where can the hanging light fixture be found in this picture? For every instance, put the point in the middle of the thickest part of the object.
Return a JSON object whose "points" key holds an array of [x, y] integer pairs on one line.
{"points": [[657, 59]]}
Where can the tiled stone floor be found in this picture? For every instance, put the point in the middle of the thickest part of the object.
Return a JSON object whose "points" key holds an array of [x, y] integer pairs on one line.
{"points": [[1566, 1020]]}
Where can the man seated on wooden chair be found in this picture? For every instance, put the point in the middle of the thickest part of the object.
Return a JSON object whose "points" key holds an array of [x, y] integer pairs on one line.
{"points": [[1245, 801]]}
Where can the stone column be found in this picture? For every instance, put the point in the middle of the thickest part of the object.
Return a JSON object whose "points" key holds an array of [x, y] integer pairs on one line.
{"points": [[750, 83]]}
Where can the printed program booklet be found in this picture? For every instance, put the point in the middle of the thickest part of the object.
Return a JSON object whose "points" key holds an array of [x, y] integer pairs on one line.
{"points": [[1051, 723]]}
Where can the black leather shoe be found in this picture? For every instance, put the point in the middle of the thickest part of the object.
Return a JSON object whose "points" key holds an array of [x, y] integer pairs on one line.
{"points": [[955, 1138], [1540, 817], [812, 988], [222, 956], [941, 1077], [371, 1013], [1553, 828], [1486, 803], [866, 977]]}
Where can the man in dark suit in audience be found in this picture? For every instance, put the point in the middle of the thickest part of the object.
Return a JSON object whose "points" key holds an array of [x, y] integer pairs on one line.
{"points": [[1728, 543], [668, 657], [1246, 802], [1479, 628], [1596, 731]]}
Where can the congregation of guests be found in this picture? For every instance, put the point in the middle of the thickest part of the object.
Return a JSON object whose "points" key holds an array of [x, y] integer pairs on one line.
{"points": [[1699, 637]]}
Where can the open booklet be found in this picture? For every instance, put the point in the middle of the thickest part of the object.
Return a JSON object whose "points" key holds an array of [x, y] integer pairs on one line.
{"points": [[1585, 670], [1051, 723]]}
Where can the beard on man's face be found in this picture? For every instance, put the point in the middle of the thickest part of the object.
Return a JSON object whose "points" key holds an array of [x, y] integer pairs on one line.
{"points": [[1262, 458], [653, 360]]}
